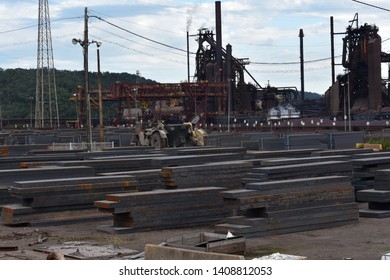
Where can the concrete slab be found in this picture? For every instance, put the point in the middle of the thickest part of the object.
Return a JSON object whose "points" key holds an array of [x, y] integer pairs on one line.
{"points": [[158, 252]]}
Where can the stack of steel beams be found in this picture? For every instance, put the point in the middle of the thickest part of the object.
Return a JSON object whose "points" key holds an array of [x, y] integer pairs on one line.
{"points": [[110, 164], [285, 206], [182, 160], [9, 176], [61, 200], [217, 174], [301, 170], [351, 152], [300, 160], [162, 209], [364, 170], [378, 198], [148, 179]]}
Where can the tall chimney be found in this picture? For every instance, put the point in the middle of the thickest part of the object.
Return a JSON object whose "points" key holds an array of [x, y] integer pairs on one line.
{"points": [[218, 41], [301, 35]]}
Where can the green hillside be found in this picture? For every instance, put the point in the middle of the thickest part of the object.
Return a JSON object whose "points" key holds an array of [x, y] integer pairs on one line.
{"points": [[17, 90]]}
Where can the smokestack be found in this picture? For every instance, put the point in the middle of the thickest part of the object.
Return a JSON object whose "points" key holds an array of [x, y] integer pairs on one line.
{"points": [[301, 35], [332, 50], [218, 40]]}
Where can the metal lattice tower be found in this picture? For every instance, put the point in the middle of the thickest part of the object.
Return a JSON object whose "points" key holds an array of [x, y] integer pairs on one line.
{"points": [[46, 106]]}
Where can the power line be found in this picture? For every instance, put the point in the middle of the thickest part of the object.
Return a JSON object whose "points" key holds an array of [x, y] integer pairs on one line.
{"points": [[137, 51], [140, 36], [127, 39], [33, 26], [384, 9], [292, 62], [18, 29]]}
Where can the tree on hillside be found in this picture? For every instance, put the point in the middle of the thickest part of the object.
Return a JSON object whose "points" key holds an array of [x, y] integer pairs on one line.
{"points": [[18, 86]]}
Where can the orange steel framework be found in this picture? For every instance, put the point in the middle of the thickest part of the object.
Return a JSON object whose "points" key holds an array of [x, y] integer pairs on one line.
{"points": [[203, 99]]}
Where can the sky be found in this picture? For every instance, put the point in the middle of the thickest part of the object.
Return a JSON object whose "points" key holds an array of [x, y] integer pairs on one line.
{"points": [[149, 36]]}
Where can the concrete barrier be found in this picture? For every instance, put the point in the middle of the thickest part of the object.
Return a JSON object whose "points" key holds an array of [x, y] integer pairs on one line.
{"points": [[158, 252]]}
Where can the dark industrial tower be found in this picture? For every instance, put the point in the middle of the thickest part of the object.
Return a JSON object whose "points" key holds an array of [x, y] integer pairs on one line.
{"points": [[46, 106]]}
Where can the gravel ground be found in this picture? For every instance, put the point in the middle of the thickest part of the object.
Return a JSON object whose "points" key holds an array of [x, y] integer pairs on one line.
{"points": [[367, 239]]}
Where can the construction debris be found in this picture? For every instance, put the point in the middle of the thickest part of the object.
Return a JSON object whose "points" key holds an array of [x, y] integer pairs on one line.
{"points": [[159, 252], [84, 251], [9, 248], [209, 242], [279, 256]]}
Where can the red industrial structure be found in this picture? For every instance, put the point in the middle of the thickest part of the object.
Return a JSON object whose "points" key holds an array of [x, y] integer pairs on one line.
{"points": [[361, 91], [218, 88]]}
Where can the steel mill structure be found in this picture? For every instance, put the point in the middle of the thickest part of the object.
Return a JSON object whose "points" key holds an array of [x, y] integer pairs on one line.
{"points": [[360, 92], [220, 93]]}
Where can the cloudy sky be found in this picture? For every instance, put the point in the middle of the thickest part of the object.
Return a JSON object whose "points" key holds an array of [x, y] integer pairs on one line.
{"points": [[265, 32]]}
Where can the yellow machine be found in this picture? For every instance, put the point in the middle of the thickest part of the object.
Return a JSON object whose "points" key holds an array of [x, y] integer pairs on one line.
{"points": [[161, 135]]}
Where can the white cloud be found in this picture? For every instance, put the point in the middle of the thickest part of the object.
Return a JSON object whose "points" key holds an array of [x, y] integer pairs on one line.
{"points": [[263, 31]]}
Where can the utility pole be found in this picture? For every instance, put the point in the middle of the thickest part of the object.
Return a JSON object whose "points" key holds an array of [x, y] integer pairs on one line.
{"points": [[87, 95], [46, 105]]}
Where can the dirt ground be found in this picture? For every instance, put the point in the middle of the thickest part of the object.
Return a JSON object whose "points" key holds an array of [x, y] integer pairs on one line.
{"points": [[367, 239]]}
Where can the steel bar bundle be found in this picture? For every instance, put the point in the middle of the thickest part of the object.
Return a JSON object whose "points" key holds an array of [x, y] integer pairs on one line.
{"points": [[61, 200], [217, 174], [161, 209], [284, 206]]}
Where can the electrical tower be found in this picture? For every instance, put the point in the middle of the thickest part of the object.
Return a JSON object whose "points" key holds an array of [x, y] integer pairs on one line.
{"points": [[46, 106]]}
